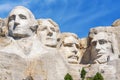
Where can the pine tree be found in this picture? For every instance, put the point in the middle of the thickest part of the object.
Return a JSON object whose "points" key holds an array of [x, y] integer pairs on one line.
{"points": [[98, 76], [83, 73], [68, 77]]}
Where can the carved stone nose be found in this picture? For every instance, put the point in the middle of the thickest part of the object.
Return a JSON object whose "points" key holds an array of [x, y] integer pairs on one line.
{"points": [[16, 24], [97, 50], [50, 34], [74, 52]]}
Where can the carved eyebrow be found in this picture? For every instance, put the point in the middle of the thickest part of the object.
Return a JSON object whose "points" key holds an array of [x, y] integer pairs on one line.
{"points": [[68, 44], [12, 17], [102, 41], [22, 16], [53, 29], [43, 28]]}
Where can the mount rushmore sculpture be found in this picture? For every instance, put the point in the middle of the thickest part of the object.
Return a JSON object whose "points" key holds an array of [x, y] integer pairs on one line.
{"points": [[35, 49]]}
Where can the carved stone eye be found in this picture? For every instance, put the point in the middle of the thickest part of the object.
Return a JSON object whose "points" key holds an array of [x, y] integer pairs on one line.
{"points": [[44, 28], [102, 41], [22, 16], [68, 45], [53, 29], [94, 43]]}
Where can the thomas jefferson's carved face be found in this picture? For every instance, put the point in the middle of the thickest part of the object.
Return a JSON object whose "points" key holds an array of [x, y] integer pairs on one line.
{"points": [[48, 33], [71, 49], [101, 47], [19, 22]]}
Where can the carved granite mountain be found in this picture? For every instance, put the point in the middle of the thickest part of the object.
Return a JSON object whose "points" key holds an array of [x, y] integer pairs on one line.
{"points": [[35, 49]]}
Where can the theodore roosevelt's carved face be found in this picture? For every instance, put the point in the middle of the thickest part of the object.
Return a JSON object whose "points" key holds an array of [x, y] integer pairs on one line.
{"points": [[48, 33], [71, 48], [101, 47], [20, 20]]}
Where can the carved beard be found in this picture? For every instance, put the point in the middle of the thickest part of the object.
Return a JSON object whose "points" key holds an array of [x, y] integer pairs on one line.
{"points": [[102, 59]]}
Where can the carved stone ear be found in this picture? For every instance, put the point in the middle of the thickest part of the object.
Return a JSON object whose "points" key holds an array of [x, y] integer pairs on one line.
{"points": [[34, 28], [58, 39]]}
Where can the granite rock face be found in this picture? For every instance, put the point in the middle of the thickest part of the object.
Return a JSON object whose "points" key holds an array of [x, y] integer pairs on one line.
{"points": [[23, 56], [35, 49], [103, 52], [116, 23]]}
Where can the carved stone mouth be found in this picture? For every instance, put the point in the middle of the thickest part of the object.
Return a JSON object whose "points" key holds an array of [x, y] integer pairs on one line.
{"points": [[18, 28], [73, 57], [49, 38], [73, 60], [99, 55]]}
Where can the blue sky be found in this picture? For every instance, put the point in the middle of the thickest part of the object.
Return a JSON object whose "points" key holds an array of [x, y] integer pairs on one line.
{"points": [[76, 16]]}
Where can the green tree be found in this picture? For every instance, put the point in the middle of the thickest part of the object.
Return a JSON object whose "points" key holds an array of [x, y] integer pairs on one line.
{"points": [[83, 73], [68, 77], [89, 78], [98, 76]]}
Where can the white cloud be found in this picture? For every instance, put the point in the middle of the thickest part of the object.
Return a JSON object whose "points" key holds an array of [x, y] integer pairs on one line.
{"points": [[5, 7]]}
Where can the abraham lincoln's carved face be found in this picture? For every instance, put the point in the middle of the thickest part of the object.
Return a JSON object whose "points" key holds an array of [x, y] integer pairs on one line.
{"points": [[101, 47]]}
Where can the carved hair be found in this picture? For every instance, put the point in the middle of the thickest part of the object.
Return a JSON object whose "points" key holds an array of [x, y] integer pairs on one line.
{"points": [[24, 8], [40, 21], [114, 44], [116, 23]]}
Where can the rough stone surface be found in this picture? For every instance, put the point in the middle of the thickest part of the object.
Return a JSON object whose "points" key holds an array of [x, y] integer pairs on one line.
{"points": [[107, 71], [116, 23]]}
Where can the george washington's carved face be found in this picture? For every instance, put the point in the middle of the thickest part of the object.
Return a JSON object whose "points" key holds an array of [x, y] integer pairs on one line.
{"points": [[19, 22], [48, 33], [71, 49], [101, 46]]}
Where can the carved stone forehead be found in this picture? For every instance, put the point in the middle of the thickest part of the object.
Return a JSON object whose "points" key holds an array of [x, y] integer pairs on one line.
{"points": [[22, 10], [70, 39], [48, 23], [101, 35]]}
